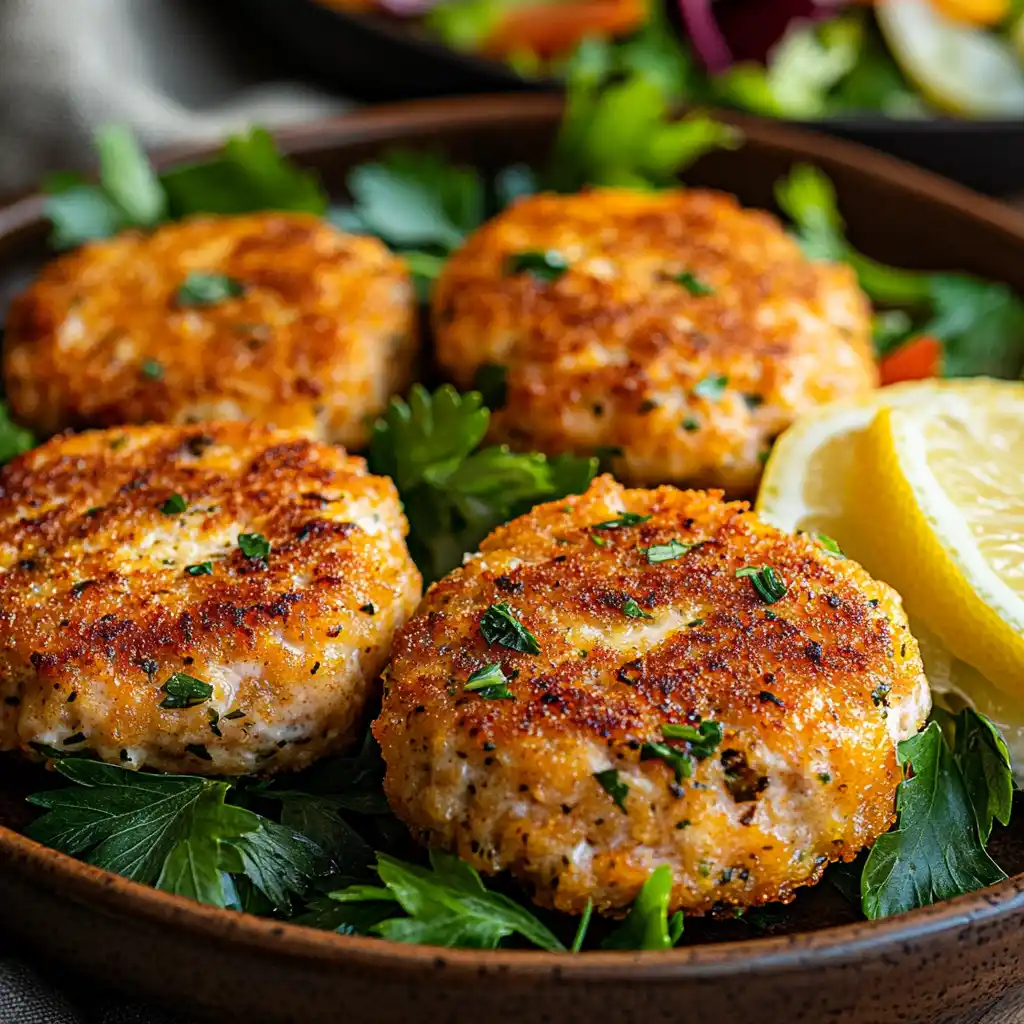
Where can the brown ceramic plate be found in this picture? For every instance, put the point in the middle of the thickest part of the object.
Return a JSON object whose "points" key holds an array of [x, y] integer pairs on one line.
{"points": [[927, 966]]}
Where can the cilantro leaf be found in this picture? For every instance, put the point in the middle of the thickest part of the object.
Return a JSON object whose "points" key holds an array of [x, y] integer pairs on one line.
{"points": [[254, 546], [647, 925], [936, 851], [446, 905], [453, 493], [980, 753], [13, 439], [176, 832]]}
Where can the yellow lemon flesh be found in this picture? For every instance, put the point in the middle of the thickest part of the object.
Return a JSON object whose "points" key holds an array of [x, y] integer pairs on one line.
{"points": [[961, 69], [924, 485], [974, 12]]}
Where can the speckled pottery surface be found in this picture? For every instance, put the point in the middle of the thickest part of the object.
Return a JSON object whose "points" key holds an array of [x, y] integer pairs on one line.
{"points": [[825, 965]]}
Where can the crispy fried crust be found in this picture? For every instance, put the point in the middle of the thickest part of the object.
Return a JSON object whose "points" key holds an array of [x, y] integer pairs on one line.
{"points": [[324, 333], [612, 353], [98, 610], [811, 692]]}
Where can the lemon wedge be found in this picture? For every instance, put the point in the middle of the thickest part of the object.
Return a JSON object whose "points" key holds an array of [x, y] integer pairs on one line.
{"points": [[924, 485], [961, 69]]}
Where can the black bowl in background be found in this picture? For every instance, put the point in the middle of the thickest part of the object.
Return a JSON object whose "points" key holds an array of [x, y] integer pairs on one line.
{"points": [[378, 59]]}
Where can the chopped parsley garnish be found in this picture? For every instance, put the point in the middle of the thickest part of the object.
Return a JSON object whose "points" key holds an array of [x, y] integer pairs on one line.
{"points": [[254, 545], [711, 387], [611, 783], [690, 424], [601, 542], [543, 266], [369, 608], [666, 552], [626, 519], [880, 694], [184, 691], [200, 569], [633, 610], [678, 760], [78, 737], [231, 716], [702, 740], [499, 625], [199, 289], [199, 750], [490, 682], [770, 586], [824, 778], [767, 697], [174, 505], [214, 718], [152, 369], [829, 544], [693, 284], [695, 622]]}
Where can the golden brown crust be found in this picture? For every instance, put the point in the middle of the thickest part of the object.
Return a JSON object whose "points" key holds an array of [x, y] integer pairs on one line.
{"points": [[98, 608], [324, 333], [805, 772], [610, 353]]}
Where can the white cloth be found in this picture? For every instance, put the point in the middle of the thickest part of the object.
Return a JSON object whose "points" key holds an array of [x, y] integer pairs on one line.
{"points": [[166, 68]]}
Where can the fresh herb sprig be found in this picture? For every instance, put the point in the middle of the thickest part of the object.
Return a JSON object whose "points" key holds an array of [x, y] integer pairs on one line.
{"points": [[979, 323], [455, 491], [249, 174]]}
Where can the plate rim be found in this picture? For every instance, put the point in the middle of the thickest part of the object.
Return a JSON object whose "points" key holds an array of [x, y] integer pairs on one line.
{"points": [[852, 942]]}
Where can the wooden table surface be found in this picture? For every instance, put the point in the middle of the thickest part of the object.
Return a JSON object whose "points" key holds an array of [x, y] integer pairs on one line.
{"points": [[1008, 1010]]}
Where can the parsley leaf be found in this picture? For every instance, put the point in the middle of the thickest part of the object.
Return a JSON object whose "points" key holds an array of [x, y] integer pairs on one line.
{"points": [[618, 131], [174, 505], [200, 289], [712, 387], [173, 831], [184, 691], [200, 569], [626, 519], [666, 552], [693, 284], [446, 905], [249, 174], [542, 266], [980, 753], [414, 199], [499, 624], [454, 492], [611, 783], [13, 439], [936, 851], [701, 741], [632, 610], [490, 682], [647, 925], [254, 546], [678, 760]]}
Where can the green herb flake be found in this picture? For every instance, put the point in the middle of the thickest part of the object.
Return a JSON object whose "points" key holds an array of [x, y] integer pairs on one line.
{"points": [[369, 608], [214, 719], [831, 546], [701, 740], [152, 369], [693, 623], [626, 519], [712, 387], [542, 266], [489, 682], [690, 424], [880, 694], [610, 782], [500, 625], [601, 542], [254, 546], [200, 569], [824, 778], [184, 691], [174, 505], [76, 738], [199, 289], [693, 284], [631, 609], [231, 716], [666, 552], [678, 760], [766, 581], [199, 750]]}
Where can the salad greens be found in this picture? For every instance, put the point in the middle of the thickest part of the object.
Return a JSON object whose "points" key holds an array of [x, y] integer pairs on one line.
{"points": [[979, 323]]}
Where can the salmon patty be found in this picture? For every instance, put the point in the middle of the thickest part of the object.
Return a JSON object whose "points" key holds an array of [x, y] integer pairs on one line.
{"points": [[633, 678], [674, 329], [273, 317], [217, 599]]}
